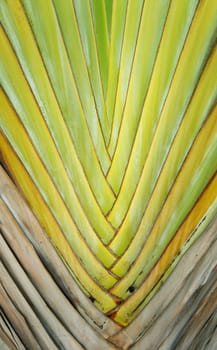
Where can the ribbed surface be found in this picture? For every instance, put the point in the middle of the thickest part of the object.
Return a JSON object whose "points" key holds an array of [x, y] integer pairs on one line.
{"points": [[108, 119], [43, 307]]}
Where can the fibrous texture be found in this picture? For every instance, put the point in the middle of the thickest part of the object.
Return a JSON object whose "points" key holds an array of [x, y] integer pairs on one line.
{"points": [[108, 122]]}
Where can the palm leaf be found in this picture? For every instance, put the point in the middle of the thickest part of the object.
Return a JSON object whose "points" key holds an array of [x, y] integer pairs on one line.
{"points": [[108, 128]]}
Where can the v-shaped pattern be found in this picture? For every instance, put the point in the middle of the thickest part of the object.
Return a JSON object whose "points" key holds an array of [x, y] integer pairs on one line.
{"points": [[108, 118]]}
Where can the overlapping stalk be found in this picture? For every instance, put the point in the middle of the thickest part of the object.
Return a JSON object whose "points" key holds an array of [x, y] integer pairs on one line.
{"points": [[108, 126]]}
